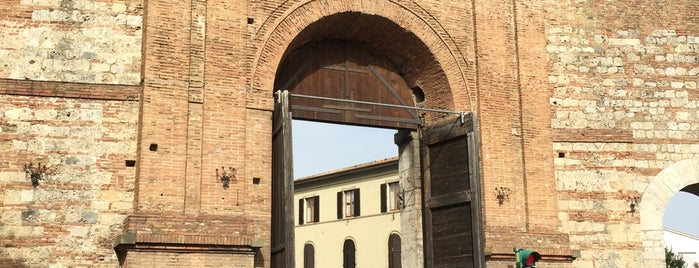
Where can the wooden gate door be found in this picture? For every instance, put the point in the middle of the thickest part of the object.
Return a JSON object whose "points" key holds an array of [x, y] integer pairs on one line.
{"points": [[282, 245], [345, 70], [453, 228]]}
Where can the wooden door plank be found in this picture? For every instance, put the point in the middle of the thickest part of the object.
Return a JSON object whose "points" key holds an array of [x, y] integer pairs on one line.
{"points": [[451, 221], [340, 69], [282, 247]]}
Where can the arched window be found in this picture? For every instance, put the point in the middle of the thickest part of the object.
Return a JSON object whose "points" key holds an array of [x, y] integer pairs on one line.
{"points": [[348, 254], [308, 256], [394, 251]]}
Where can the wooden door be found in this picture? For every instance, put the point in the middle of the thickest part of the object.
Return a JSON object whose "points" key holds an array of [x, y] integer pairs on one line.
{"points": [[348, 257], [309, 256], [282, 244], [345, 70], [453, 229], [394, 251]]}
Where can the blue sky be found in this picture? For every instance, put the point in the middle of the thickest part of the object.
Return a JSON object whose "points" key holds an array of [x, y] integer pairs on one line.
{"points": [[682, 213], [322, 147]]}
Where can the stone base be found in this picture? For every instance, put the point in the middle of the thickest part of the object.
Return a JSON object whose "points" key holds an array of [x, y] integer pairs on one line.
{"points": [[171, 255], [553, 247], [174, 241]]}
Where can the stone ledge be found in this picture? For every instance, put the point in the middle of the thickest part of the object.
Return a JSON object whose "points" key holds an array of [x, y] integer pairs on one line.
{"points": [[70, 90], [129, 242], [152, 226], [187, 241], [592, 135], [187, 234], [553, 247]]}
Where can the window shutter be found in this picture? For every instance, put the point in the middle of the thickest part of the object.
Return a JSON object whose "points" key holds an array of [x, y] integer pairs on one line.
{"points": [[383, 198], [356, 203], [339, 205], [301, 208], [316, 209]]}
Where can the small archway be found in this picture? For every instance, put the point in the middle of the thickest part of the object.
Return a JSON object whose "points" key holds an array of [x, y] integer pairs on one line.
{"points": [[676, 177]]}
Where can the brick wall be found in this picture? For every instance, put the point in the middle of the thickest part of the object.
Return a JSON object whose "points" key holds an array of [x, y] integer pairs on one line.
{"points": [[581, 102], [194, 112], [624, 100], [71, 217], [183, 259]]}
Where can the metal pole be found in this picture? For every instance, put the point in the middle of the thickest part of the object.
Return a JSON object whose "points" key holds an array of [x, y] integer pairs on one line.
{"points": [[377, 104]]}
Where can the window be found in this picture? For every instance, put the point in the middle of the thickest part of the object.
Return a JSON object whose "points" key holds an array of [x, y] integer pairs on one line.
{"points": [[348, 258], [393, 199], [308, 256], [311, 208], [348, 204], [390, 197], [394, 251]]}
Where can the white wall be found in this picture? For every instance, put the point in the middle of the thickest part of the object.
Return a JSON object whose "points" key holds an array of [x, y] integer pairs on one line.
{"points": [[370, 231], [684, 244]]}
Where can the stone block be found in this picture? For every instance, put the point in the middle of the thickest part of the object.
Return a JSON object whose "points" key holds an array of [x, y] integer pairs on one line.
{"points": [[79, 231], [12, 197], [623, 41], [27, 195], [13, 177]]}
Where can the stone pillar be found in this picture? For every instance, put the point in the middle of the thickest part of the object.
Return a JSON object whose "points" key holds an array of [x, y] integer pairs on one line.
{"points": [[411, 189]]}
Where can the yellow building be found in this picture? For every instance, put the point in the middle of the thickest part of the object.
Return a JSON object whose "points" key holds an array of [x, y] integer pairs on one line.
{"points": [[349, 217]]}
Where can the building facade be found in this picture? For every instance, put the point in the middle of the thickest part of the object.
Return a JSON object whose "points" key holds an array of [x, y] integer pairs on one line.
{"points": [[119, 118], [683, 245], [349, 216]]}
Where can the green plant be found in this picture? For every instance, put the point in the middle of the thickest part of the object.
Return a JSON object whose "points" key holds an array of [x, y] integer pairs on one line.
{"points": [[673, 260]]}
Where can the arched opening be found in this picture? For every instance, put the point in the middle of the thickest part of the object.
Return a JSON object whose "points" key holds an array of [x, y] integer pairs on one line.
{"points": [[374, 73], [399, 48], [680, 229], [308, 256], [348, 254], [682, 176], [394, 251]]}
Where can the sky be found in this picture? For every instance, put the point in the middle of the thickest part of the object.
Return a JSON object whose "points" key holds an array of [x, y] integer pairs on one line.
{"points": [[320, 147], [682, 213]]}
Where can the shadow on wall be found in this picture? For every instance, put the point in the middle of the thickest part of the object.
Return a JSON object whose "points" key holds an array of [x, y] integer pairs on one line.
{"points": [[7, 262]]}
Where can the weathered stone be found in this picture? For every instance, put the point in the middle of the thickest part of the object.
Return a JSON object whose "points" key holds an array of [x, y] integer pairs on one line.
{"points": [[29, 215]]}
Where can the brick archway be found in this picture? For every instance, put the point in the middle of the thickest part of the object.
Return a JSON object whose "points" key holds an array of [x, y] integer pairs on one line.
{"points": [[655, 199], [431, 59]]}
